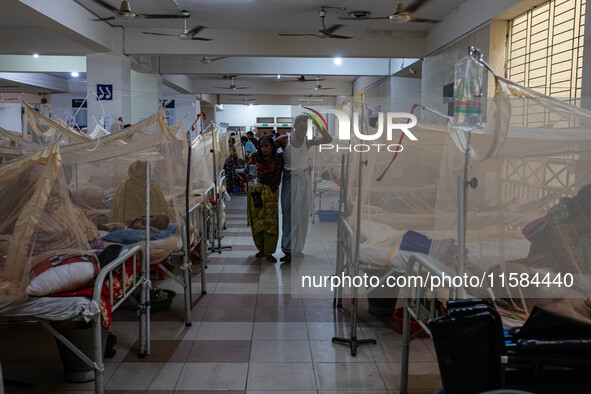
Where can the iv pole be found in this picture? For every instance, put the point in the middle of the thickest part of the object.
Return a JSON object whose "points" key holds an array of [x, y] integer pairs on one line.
{"points": [[353, 341], [464, 183], [217, 219]]}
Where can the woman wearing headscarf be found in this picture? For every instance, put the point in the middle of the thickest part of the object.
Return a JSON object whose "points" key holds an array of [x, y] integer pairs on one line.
{"points": [[230, 166], [263, 198], [129, 201]]}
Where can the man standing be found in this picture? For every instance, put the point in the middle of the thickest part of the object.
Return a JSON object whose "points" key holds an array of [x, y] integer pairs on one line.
{"points": [[248, 146], [296, 188], [254, 141]]}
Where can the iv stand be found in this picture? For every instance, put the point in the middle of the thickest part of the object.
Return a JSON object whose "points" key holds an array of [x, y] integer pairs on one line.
{"points": [[463, 183], [217, 218], [353, 341]]}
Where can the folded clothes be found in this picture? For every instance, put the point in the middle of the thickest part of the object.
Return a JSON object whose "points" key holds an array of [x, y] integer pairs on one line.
{"points": [[129, 236], [415, 242]]}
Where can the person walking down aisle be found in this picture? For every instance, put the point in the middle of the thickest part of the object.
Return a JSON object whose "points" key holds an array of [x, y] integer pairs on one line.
{"points": [[296, 192], [248, 146], [251, 138], [263, 198], [230, 166]]}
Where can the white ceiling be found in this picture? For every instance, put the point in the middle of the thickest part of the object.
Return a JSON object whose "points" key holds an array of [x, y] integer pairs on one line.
{"points": [[274, 14], [245, 32]]}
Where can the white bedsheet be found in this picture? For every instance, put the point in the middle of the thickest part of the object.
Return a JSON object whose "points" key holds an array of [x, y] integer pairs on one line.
{"points": [[50, 308]]}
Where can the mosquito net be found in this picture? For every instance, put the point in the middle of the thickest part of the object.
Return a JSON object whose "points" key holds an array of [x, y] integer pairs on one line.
{"points": [[527, 224], [13, 145], [108, 179], [38, 220], [44, 131]]}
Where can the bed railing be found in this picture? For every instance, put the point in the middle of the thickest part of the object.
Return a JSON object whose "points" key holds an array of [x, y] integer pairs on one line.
{"points": [[417, 265], [107, 272]]}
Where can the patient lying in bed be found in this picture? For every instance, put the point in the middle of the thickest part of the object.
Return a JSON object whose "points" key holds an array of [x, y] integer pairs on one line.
{"points": [[157, 222]]}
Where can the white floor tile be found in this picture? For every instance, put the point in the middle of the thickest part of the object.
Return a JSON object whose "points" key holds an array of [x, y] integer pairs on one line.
{"points": [[280, 331], [280, 352], [351, 376], [328, 352], [225, 331], [241, 269], [213, 376], [236, 288], [281, 376], [145, 376]]}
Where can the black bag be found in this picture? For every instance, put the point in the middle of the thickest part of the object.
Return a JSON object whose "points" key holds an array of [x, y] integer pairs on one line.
{"points": [[257, 199], [468, 344]]}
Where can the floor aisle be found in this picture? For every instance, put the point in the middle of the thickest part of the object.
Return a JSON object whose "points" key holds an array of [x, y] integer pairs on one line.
{"points": [[249, 334]]}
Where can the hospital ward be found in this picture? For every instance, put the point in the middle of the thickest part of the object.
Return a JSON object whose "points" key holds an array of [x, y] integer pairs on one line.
{"points": [[295, 197]]}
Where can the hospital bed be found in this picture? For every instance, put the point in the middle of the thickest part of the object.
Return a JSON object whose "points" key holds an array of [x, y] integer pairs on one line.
{"points": [[131, 267]]}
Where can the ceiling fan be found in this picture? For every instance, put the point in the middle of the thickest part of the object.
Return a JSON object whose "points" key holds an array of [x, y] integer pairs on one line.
{"points": [[302, 78], [320, 87], [186, 34], [124, 13], [401, 14], [232, 85], [323, 31]]}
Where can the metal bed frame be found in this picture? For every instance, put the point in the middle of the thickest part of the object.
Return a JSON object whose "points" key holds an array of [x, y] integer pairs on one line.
{"points": [[197, 219], [140, 280], [418, 264]]}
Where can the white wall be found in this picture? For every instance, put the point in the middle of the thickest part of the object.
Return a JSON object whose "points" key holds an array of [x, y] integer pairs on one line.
{"points": [[242, 115], [10, 117], [395, 94], [61, 103], [186, 107], [438, 70]]}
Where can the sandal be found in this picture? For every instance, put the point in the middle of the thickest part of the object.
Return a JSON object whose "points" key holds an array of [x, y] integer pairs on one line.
{"points": [[271, 259], [259, 254], [286, 258]]}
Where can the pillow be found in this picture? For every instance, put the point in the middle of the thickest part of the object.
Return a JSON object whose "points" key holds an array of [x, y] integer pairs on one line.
{"points": [[61, 273]]}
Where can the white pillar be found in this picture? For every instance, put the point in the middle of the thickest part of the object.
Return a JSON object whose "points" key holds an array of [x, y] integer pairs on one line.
{"points": [[146, 92], [114, 70]]}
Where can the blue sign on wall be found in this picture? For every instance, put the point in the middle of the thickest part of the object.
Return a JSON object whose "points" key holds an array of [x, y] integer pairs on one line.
{"points": [[104, 92]]}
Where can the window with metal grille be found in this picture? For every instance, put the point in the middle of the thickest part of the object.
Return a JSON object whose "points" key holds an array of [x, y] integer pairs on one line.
{"points": [[545, 49], [545, 53]]}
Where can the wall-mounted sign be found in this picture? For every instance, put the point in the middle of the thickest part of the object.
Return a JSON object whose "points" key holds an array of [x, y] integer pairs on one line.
{"points": [[104, 92]]}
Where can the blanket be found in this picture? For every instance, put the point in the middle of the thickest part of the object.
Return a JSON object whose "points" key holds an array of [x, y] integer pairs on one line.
{"points": [[129, 236]]}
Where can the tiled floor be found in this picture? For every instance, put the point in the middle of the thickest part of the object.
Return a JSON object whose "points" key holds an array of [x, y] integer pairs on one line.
{"points": [[252, 332]]}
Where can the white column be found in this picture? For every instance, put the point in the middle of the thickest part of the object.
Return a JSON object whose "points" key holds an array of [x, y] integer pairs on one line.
{"points": [[146, 92], [108, 69]]}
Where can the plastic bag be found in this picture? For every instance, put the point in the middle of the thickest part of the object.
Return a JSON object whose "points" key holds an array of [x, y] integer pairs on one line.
{"points": [[468, 94]]}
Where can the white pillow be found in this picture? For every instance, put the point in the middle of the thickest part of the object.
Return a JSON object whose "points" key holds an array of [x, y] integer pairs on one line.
{"points": [[62, 278]]}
